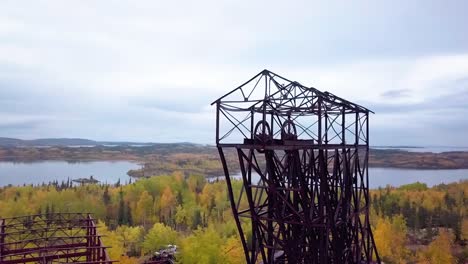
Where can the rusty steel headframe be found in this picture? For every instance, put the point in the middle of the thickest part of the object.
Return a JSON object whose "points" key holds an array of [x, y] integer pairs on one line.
{"points": [[51, 238], [303, 160]]}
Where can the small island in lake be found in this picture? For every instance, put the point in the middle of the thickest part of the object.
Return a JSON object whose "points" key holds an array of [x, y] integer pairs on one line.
{"points": [[89, 180]]}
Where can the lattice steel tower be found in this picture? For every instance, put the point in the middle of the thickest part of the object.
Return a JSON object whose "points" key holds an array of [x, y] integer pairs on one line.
{"points": [[303, 160]]}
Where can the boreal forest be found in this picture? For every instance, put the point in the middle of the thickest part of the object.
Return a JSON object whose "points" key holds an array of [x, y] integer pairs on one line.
{"points": [[412, 223]]}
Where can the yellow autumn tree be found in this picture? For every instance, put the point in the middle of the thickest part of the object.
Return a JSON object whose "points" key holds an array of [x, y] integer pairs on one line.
{"points": [[203, 246], [158, 237], [232, 251], [439, 251], [144, 208], [390, 239], [167, 203], [465, 229], [112, 240]]}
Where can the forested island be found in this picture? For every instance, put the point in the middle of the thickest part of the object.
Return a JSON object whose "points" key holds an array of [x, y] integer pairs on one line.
{"points": [[411, 223], [191, 158]]}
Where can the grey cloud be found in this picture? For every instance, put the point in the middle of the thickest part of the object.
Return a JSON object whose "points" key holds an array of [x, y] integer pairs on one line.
{"points": [[391, 94], [75, 44], [173, 101], [22, 125], [456, 98]]}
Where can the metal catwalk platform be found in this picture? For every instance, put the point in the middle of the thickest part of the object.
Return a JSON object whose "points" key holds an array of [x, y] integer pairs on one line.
{"points": [[51, 238]]}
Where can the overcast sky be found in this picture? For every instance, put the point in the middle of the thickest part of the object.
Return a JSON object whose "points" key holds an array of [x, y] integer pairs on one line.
{"points": [[148, 70]]}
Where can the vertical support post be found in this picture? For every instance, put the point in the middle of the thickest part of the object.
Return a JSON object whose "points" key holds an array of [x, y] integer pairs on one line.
{"points": [[343, 127], [252, 124], [2, 239], [233, 205], [88, 238], [325, 115], [319, 113], [356, 130], [217, 121]]}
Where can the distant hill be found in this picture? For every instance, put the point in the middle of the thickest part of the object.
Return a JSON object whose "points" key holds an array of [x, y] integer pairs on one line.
{"points": [[14, 142]]}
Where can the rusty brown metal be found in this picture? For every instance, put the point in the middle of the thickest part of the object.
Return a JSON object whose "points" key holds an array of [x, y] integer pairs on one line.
{"points": [[303, 161], [51, 238]]}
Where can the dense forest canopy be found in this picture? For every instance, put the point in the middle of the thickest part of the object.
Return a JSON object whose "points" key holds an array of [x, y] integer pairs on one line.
{"points": [[412, 223]]}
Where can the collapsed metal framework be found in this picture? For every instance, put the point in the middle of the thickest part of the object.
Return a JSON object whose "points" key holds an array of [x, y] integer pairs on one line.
{"points": [[51, 238], [303, 158]]}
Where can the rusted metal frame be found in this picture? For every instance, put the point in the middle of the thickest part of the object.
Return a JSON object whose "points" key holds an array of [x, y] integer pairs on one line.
{"points": [[280, 172], [17, 219], [283, 90], [224, 96], [233, 206], [248, 191], [294, 97], [270, 230], [289, 87], [354, 105], [300, 199], [238, 122], [232, 129], [217, 121], [357, 205], [21, 225], [334, 130], [303, 114], [290, 83], [72, 246], [323, 202], [323, 240], [233, 108], [253, 165], [362, 128], [251, 159], [306, 180], [42, 258], [325, 138], [253, 89], [89, 242], [263, 229], [306, 130], [308, 99], [349, 130], [279, 221], [32, 230], [335, 180], [278, 122], [32, 240], [99, 262]]}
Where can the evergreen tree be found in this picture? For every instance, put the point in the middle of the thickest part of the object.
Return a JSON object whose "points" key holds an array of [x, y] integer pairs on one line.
{"points": [[129, 215], [106, 197], [121, 219]]}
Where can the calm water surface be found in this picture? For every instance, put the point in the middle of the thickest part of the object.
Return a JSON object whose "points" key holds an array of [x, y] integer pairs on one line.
{"points": [[380, 177], [111, 171], [47, 171]]}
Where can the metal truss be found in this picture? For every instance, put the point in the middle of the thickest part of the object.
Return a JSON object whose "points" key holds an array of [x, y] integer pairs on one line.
{"points": [[303, 157], [51, 238]]}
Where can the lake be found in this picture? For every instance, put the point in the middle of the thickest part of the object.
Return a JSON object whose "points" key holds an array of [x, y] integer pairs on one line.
{"points": [[111, 171], [15, 173], [380, 177]]}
